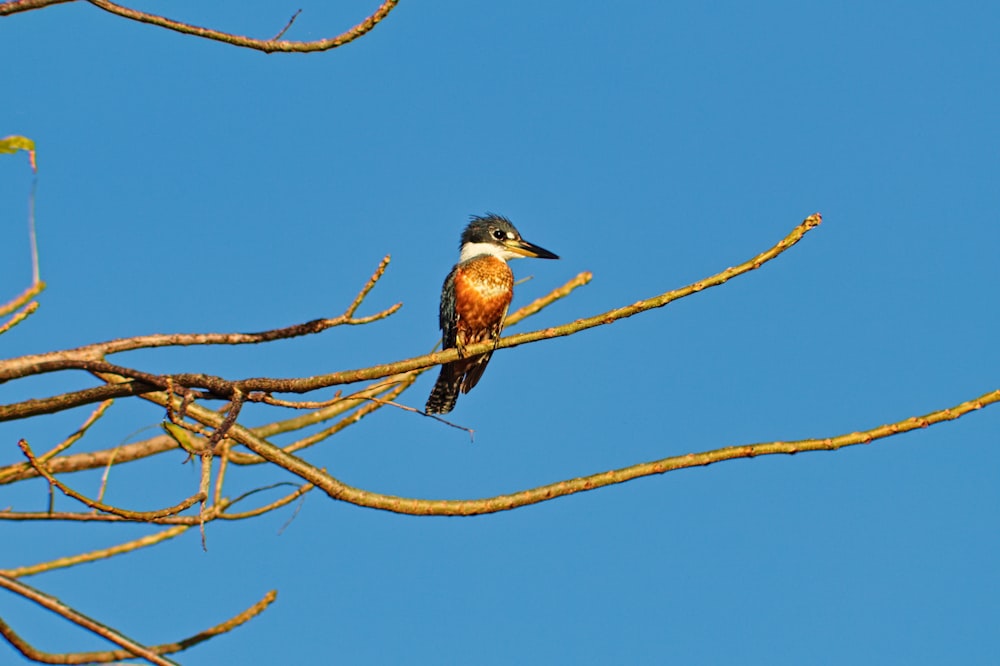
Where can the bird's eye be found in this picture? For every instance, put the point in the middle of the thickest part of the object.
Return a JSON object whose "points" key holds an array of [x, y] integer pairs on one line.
{"points": [[499, 234]]}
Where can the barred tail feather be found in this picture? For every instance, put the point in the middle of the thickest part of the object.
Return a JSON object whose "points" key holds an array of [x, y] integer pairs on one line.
{"points": [[445, 393]]}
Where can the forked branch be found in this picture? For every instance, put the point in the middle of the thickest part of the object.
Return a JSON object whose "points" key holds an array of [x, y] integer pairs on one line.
{"points": [[222, 388], [339, 490], [153, 654]]}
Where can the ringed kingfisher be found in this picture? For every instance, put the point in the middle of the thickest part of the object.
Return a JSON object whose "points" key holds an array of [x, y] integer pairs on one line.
{"points": [[474, 302]]}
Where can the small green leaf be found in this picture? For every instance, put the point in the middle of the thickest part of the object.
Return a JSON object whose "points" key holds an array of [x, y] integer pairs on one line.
{"points": [[181, 436]]}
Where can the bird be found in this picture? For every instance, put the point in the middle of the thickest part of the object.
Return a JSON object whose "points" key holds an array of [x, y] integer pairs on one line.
{"points": [[474, 302]]}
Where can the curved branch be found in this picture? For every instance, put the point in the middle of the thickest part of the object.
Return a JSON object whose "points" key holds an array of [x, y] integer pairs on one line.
{"points": [[94, 555], [63, 401], [15, 6], [338, 490], [145, 516], [90, 357], [87, 358], [341, 491], [267, 508], [20, 316], [275, 44], [163, 443], [265, 45], [119, 655], [133, 648], [221, 386], [22, 298], [83, 461]]}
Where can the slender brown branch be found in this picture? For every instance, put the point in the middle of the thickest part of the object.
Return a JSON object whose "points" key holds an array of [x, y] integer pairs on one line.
{"points": [[548, 299], [235, 406], [265, 45], [343, 404], [225, 388], [14, 6], [64, 401], [48, 602], [84, 461], [163, 443], [100, 506], [220, 386], [221, 628], [387, 390], [203, 490], [281, 33], [19, 316], [414, 410], [22, 298], [376, 276], [78, 435], [341, 491], [90, 357], [268, 399], [73, 516], [119, 655], [95, 555], [220, 478], [267, 508]]}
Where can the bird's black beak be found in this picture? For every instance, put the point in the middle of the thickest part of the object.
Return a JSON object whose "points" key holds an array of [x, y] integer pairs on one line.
{"points": [[527, 249]]}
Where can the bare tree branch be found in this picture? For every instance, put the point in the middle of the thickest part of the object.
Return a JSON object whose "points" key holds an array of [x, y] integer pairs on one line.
{"points": [[217, 432], [90, 460], [281, 33], [223, 388], [341, 491], [90, 357], [133, 648], [15, 6], [265, 45], [119, 655], [145, 516], [273, 45], [95, 555]]}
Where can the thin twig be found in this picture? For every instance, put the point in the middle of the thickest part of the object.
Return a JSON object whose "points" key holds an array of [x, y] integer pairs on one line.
{"points": [[203, 490], [414, 410], [119, 655], [132, 515], [395, 389], [91, 357], [548, 299], [220, 386], [288, 25], [223, 467], [78, 435], [91, 460], [19, 316], [95, 555], [75, 516], [278, 503], [59, 608], [339, 490], [269, 399], [36, 274], [22, 298]]}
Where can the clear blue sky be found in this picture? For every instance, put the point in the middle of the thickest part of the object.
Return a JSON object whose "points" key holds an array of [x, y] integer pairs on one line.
{"points": [[191, 186]]}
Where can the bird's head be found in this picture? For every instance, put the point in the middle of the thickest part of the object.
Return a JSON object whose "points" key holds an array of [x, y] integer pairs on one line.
{"points": [[495, 235]]}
